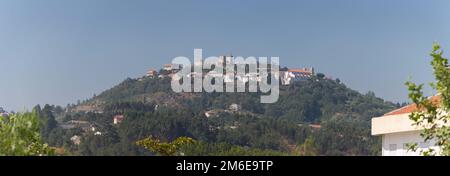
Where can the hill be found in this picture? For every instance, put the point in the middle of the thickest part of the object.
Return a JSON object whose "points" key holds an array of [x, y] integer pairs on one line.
{"points": [[334, 117]]}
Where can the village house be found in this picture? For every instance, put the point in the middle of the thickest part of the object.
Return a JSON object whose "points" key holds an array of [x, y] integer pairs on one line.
{"points": [[152, 73], [302, 74], [162, 76], [397, 132], [286, 78], [313, 126], [234, 107], [294, 75], [118, 119], [211, 113], [76, 139], [167, 67], [171, 67]]}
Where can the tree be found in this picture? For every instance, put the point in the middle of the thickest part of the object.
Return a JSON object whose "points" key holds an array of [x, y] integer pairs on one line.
{"points": [[308, 148], [47, 120], [165, 148], [433, 116], [320, 75], [19, 136]]}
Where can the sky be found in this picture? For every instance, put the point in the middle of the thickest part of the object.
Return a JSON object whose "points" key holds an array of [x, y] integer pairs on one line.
{"points": [[61, 51]]}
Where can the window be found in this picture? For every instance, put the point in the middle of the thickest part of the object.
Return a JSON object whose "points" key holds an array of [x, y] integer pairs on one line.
{"points": [[392, 149]]}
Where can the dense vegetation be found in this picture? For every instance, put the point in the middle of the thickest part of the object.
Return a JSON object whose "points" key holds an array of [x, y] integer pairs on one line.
{"points": [[334, 119], [19, 136]]}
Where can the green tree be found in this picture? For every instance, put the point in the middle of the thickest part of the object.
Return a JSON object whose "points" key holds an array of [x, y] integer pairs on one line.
{"points": [[47, 120], [165, 148], [430, 116], [308, 148], [320, 75], [19, 136]]}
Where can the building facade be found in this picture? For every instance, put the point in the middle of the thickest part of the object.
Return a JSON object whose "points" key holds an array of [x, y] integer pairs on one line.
{"points": [[397, 132]]}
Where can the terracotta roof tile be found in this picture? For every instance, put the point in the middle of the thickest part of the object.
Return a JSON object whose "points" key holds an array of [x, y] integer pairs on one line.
{"points": [[299, 71], [412, 107]]}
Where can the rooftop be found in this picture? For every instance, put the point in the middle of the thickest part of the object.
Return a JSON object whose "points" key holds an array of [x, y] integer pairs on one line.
{"points": [[412, 107], [300, 71]]}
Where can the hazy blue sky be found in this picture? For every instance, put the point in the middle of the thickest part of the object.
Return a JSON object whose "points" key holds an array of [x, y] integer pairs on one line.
{"points": [[59, 51]]}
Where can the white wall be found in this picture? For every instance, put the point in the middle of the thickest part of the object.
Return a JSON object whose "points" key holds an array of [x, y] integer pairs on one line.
{"points": [[394, 144], [393, 124]]}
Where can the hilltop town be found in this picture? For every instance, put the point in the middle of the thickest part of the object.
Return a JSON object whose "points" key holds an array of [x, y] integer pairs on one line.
{"points": [[287, 75]]}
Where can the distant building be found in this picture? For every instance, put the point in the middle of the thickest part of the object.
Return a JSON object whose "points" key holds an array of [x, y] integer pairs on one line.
{"points": [[294, 75], [167, 67], [211, 113], [397, 131], [313, 126], [162, 76], [118, 119], [233, 127], [286, 77], [76, 139], [152, 73], [171, 67], [302, 74], [234, 107]]}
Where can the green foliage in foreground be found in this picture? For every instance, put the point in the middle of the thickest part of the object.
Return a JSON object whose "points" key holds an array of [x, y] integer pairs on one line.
{"points": [[308, 148], [225, 149], [165, 148], [431, 118], [185, 146], [19, 136]]}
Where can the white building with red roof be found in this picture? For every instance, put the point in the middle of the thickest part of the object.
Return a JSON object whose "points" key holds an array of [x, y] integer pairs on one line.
{"points": [[151, 73], [293, 75], [397, 131], [118, 119]]}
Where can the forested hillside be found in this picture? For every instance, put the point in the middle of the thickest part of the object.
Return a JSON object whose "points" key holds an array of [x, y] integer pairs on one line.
{"points": [[314, 117]]}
